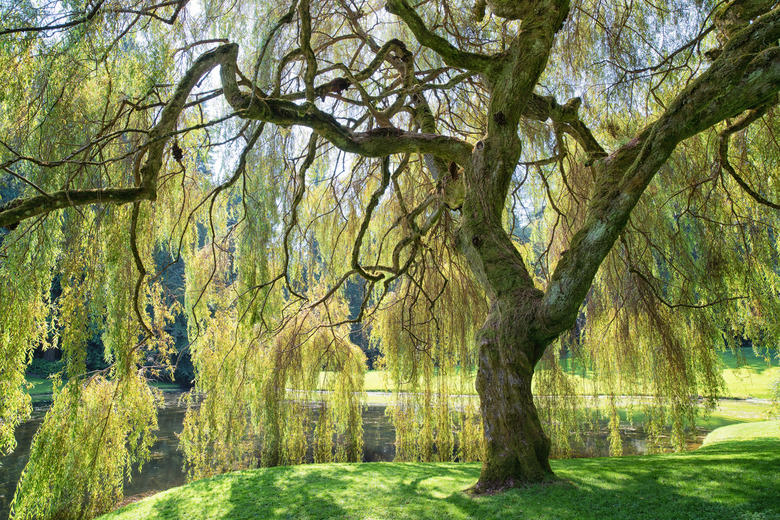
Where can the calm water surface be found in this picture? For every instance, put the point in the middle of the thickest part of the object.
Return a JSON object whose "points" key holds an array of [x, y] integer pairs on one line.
{"points": [[164, 470]]}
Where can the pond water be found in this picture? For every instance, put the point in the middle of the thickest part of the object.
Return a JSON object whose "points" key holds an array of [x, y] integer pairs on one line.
{"points": [[164, 470]]}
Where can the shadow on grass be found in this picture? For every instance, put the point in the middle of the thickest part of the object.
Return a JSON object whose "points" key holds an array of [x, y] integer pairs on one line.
{"points": [[374, 490], [287, 494], [731, 481], [725, 481], [747, 359]]}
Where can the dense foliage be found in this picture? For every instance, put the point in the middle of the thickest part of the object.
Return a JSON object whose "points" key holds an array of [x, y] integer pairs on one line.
{"points": [[593, 186]]}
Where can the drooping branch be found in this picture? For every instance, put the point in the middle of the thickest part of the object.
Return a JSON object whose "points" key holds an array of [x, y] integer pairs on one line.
{"points": [[212, 196], [66, 25], [300, 189], [151, 10], [745, 75], [5, 168], [379, 142], [159, 136], [670, 305], [372, 204], [139, 266], [723, 154]]}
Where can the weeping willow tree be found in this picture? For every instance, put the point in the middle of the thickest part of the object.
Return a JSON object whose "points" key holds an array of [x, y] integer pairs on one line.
{"points": [[510, 184]]}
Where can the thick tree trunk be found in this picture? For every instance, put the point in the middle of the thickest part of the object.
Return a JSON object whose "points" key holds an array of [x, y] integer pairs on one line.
{"points": [[510, 342], [517, 447]]}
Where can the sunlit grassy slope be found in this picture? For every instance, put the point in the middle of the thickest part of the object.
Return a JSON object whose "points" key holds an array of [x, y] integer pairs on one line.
{"points": [[41, 388], [746, 375], [750, 375], [734, 477]]}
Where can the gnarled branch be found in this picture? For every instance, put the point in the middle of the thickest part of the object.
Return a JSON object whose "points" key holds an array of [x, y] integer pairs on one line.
{"points": [[21, 209], [451, 55], [745, 75]]}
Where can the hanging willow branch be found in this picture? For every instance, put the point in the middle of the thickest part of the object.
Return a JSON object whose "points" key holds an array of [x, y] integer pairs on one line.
{"points": [[372, 204], [723, 152]]}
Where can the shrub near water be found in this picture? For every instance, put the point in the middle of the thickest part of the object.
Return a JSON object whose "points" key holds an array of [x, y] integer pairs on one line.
{"points": [[45, 368], [77, 471]]}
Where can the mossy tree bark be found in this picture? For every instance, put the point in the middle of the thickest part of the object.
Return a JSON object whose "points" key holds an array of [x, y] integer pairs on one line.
{"points": [[523, 320], [509, 342], [517, 447]]}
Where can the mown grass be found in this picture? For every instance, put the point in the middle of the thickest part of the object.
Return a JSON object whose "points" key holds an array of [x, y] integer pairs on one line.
{"points": [[746, 375], [165, 386], [734, 477], [728, 411], [734, 411], [41, 388], [744, 432]]}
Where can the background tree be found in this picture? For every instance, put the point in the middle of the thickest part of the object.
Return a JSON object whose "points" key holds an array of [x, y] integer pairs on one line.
{"points": [[474, 168]]}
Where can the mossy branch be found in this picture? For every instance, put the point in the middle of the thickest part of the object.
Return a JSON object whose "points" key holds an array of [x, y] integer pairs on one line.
{"points": [[745, 75], [17, 210], [451, 55], [379, 142]]}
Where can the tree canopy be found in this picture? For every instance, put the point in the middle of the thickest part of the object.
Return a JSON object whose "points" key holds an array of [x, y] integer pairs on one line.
{"points": [[503, 184]]}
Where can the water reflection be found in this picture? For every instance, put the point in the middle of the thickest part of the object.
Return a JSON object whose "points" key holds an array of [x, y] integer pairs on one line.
{"points": [[164, 470], [11, 466]]}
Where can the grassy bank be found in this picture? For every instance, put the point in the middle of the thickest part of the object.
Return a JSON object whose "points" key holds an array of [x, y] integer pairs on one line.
{"points": [[746, 375], [749, 375], [733, 477], [41, 389]]}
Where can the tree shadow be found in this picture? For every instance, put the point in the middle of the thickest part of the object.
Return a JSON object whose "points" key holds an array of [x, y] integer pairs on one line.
{"points": [[728, 480]]}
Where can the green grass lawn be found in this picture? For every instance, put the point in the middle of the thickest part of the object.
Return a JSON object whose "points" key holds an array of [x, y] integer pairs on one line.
{"points": [[735, 411], [41, 388], [165, 386], [749, 376], [744, 432], [733, 477], [746, 375]]}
